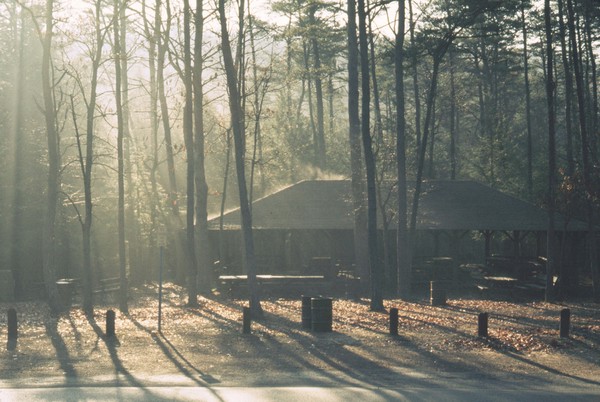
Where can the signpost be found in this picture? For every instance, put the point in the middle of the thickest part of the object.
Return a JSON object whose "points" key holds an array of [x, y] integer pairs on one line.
{"points": [[162, 241]]}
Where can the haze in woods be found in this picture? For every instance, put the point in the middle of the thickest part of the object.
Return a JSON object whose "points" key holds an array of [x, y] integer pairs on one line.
{"points": [[129, 126]]}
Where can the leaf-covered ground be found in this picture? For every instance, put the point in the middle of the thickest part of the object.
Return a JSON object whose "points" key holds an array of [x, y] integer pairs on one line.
{"points": [[207, 342]]}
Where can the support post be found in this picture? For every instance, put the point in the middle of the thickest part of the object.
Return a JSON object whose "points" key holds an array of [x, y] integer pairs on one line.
{"points": [[162, 242], [13, 331], [565, 322], [394, 321], [482, 325], [160, 288], [110, 324], [247, 321]]}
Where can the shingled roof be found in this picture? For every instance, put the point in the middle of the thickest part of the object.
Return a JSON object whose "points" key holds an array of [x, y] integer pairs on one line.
{"points": [[444, 205]]}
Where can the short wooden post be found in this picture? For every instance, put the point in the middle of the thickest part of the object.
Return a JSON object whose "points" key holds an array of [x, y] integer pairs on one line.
{"points": [[247, 321], [13, 331], [565, 322], [110, 324], [394, 321], [482, 325]]}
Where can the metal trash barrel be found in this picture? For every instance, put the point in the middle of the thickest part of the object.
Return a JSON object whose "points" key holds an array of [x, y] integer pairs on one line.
{"points": [[65, 292], [443, 268], [437, 293], [321, 314], [306, 312], [7, 286]]}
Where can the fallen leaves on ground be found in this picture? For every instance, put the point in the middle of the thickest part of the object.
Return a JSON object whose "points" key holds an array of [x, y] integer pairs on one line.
{"points": [[513, 327]]}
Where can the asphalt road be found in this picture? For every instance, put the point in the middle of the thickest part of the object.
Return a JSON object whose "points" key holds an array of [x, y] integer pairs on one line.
{"points": [[181, 388], [291, 394]]}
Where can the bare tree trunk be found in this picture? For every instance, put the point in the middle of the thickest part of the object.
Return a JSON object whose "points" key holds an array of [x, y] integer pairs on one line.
{"points": [[402, 240], [358, 194], [331, 97], [49, 239], [320, 129], [240, 61], [161, 47], [200, 177], [551, 262], [260, 91], [453, 120], [290, 123], [188, 129], [152, 33], [153, 37], [415, 75], [487, 111], [432, 138], [222, 255], [174, 221], [120, 157], [256, 108], [585, 152], [379, 145], [17, 134], [132, 233], [568, 89], [376, 100], [527, 105], [376, 274], [480, 97], [311, 112], [238, 138], [86, 221], [594, 112], [438, 55], [86, 162], [386, 218]]}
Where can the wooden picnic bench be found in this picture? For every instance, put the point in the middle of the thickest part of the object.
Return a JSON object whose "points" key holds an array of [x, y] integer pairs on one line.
{"points": [[108, 288], [70, 288]]}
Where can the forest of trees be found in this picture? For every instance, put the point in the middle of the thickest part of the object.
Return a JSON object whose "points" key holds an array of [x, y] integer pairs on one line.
{"points": [[123, 119]]}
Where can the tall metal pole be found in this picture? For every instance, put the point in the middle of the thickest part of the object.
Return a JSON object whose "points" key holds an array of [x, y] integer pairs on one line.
{"points": [[160, 286], [162, 241]]}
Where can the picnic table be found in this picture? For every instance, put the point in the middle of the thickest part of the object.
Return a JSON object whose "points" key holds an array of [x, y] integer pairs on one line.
{"points": [[235, 284], [501, 281]]}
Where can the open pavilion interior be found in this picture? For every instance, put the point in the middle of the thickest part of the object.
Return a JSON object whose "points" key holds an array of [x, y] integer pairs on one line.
{"points": [[465, 221]]}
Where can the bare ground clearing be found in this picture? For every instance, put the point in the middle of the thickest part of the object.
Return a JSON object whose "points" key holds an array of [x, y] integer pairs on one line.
{"points": [[206, 345]]}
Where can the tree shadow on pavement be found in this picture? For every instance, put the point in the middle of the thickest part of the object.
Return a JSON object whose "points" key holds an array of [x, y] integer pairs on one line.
{"points": [[183, 365], [112, 343], [374, 365], [62, 352], [345, 359], [549, 369]]}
